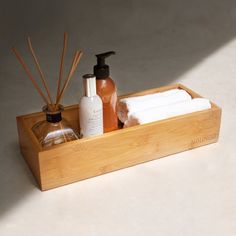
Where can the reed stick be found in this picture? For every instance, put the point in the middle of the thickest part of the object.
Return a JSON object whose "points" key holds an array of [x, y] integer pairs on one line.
{"points": [[62, 64], [25, 67], [64, 136], [39, 69], [67, 79], [80, 54], [74, 64]]}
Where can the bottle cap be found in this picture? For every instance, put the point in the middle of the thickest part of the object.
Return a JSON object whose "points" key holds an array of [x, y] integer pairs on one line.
{"points": [[101, 70], [89, 85], [53, 116]]}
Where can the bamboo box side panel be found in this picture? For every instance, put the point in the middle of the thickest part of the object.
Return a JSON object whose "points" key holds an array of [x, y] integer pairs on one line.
{"points": [[29, 148], [77, 161]]}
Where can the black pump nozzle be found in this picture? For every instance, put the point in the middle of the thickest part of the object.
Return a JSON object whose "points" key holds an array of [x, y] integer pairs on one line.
{"points": [[101, 70], [101, 57]]}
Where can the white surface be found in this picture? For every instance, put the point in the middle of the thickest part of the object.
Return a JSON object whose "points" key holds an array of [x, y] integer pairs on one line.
{"points": [[191, 193]]}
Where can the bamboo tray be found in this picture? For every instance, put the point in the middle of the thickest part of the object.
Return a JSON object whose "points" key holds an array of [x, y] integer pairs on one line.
{"points": [[89, 157]]}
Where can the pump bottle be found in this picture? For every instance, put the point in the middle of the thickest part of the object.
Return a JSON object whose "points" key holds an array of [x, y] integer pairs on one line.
{"points": [[90, 109], [106, 89]]}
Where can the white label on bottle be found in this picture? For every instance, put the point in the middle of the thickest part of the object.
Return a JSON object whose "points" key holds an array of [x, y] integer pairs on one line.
{"points": [[91, 122]]}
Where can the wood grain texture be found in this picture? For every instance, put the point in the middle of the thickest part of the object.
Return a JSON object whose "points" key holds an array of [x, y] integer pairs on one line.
{"points": [[29, 148], [88, 157]]}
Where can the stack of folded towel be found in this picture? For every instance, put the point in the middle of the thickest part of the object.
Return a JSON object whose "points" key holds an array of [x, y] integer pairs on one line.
{"points": [[158, 106]]}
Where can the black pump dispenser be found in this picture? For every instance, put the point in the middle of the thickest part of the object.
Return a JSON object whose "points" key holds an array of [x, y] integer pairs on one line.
{"points": [[101, 70]]}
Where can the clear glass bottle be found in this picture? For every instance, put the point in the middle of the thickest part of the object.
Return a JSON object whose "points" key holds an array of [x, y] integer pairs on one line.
{"points": [[54, 130]]}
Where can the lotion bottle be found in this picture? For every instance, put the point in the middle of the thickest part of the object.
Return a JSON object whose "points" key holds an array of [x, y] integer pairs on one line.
{"points": [[90, 109], [106, 89]]}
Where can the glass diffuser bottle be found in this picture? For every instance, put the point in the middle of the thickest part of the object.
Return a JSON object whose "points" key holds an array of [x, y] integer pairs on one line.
{"points": [[54, 130]]}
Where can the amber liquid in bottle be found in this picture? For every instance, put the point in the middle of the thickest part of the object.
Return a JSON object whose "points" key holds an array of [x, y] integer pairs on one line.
{"points": [[106, 89]]}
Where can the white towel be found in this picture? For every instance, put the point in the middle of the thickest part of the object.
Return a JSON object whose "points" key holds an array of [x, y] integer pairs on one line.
{"points": [[127, 106], [164, 112]]}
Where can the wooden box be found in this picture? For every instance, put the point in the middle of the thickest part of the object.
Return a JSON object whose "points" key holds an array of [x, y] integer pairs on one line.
{"points": [[89, 157]]}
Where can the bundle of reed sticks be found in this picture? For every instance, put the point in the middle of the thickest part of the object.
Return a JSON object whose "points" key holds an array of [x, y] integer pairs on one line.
{"points": [[52, 106]]}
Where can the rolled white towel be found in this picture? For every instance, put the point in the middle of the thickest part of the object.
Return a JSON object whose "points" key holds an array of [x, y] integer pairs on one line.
{"points": [[127, 106], [164, 112]]}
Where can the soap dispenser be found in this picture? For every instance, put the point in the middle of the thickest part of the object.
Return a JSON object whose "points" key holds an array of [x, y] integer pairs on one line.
{"points": [[106, 89]]}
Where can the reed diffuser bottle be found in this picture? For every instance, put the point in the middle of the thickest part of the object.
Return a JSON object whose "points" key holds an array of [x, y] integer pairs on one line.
{"points": [[54, 129]]}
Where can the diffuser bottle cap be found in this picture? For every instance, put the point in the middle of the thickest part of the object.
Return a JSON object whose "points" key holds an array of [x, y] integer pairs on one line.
{"points": [[53, 116], [101, 70], [89, 85]]}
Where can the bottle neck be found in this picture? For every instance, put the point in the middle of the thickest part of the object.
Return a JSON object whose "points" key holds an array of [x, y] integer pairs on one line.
{"points": [[53, 116], [90, 87]]}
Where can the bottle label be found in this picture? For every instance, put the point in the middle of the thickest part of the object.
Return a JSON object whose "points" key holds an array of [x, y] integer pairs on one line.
{"points": [[92, 123]]}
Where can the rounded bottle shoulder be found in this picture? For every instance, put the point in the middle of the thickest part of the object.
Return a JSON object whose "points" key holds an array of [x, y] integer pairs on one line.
{"points": [[105, 86]]}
